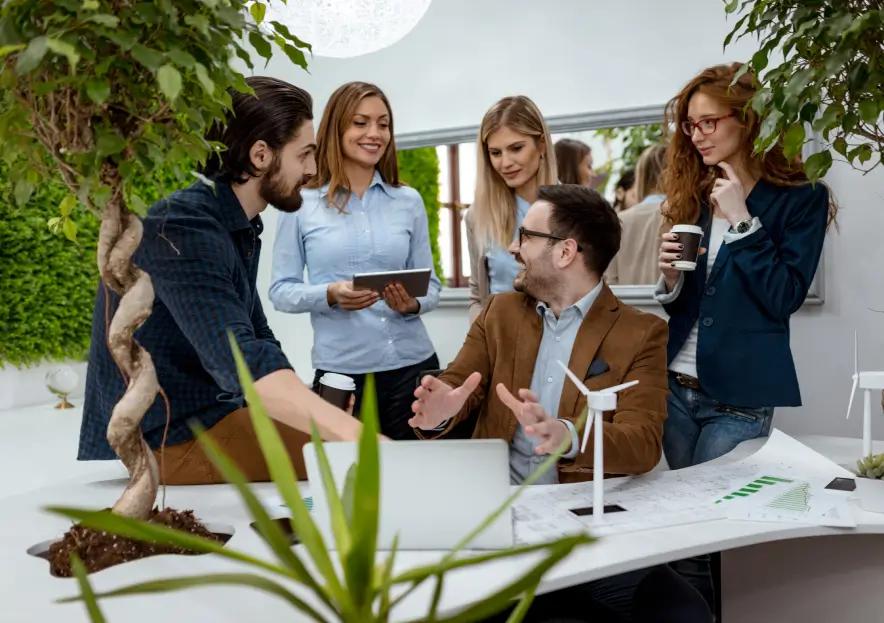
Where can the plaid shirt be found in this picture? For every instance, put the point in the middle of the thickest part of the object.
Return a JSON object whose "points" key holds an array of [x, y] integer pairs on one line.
{"points": [[202, 255]]}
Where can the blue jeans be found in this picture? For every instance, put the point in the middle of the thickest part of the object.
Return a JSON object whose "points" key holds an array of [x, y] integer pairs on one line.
{"points": [[699, 429]]}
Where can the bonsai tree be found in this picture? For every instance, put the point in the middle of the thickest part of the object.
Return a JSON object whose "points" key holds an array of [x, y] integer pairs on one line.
{"points": [[99, 93], [830, 74]]}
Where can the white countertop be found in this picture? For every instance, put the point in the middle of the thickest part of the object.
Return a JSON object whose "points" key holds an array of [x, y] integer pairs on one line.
{"points": [[27, 591]]}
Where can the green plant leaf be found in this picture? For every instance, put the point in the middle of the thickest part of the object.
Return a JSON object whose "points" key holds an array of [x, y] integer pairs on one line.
{"points": [[203, 76], [146, 56], [67, 205], [793, 140], [23, 191], [98, 90], [69, 229], [730, 5], [386, 583], [349, 494], [339, 524], [268, 528], [181, 58], [6, 50], [283, 475], [109, 143], [104, 19], [295, 55], [869, 111], [524, 604], [215, 579], [261, 45], [258, 10], [817, 165], [169, 79], [86, 592], [359, 568], [33, 54], [528, 582]]}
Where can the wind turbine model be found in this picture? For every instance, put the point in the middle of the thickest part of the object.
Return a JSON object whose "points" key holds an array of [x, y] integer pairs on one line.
{"points": [[598, 402], [866, 381]]}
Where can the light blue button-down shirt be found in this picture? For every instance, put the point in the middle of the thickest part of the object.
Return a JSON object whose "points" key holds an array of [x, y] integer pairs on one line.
{"points": [[547, 382], [502, 266], [385, 230]]}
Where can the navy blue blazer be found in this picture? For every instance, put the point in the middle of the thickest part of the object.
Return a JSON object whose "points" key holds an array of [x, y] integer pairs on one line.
{"points": [[743, 305]]}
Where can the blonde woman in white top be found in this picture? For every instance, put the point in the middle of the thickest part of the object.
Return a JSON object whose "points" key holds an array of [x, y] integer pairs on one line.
{"points": [[515, 157]]}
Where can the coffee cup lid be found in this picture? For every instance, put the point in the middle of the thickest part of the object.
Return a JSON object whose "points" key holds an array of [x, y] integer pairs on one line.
{"points": [[688, 229], [338, 381]]}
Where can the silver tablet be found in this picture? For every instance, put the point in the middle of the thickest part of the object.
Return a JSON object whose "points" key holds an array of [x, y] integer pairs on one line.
{"points": [[415, 281]]}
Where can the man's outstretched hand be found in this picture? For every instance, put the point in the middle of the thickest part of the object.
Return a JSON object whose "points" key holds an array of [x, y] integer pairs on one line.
{"points": [[437, 401]]}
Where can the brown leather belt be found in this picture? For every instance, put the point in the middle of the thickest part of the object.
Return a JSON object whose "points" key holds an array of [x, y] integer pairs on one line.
{"points": [[685, 380]]}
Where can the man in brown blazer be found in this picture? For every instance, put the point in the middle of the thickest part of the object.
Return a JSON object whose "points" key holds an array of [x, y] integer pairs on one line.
{"points": [[561, 310]]}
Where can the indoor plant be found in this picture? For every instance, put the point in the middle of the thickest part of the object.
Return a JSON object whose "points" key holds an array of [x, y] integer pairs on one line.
{"points": [[870, 483]]}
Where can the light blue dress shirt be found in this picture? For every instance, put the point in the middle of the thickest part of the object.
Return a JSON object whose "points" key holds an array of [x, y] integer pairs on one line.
{"points": [[547, 382], [385, 230], [502, 266]]}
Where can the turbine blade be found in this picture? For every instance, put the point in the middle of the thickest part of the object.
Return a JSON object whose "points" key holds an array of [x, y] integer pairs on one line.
{"points": [[852, 394]]}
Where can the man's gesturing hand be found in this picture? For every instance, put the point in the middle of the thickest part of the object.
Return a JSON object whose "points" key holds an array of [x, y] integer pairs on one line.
{"points": [[438, 401], [551, 432]]}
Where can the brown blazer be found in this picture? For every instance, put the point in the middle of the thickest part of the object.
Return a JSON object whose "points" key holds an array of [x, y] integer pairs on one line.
{"points": [[503, 343]]}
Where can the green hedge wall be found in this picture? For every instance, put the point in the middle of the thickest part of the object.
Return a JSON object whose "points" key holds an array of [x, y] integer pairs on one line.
{"points": [[47, 282], [419, 168]]}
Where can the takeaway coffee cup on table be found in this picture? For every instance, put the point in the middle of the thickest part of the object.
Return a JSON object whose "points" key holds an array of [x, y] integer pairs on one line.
{"points": [[690, 236], [337, 389]]}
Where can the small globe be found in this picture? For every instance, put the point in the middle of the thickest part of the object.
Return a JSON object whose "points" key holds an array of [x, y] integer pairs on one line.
{"points": [[62, 380]]}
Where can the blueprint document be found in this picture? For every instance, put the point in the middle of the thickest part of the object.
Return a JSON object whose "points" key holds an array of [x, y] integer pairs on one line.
{"points": [[783, 481]]}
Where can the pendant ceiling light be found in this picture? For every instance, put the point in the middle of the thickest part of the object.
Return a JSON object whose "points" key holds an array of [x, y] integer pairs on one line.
{"points": [[347, 28]]}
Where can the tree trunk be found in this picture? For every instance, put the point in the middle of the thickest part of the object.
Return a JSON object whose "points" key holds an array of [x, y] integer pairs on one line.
{"points": [[119, 237]]}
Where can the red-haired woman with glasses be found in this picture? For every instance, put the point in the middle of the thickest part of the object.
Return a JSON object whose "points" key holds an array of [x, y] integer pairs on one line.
{"points": [[729, 358], [764, 225]]}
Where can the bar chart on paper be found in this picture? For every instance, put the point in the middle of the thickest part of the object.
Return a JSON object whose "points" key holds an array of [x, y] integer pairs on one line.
{"points": [[759, 484]]}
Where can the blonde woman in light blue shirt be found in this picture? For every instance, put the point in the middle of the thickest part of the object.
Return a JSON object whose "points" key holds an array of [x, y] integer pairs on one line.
{"points": [[358, 217]]}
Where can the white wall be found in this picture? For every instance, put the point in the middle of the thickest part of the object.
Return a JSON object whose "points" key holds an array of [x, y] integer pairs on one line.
{"points": [[579, 56]]}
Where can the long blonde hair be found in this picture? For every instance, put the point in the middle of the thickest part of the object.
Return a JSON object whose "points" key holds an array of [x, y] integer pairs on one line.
{"points": [[648, 171], [493, 213], [336, 118]]}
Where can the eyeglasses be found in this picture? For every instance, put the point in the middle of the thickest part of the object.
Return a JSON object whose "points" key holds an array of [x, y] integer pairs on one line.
{"points": [[706, 126], [527, 233]]}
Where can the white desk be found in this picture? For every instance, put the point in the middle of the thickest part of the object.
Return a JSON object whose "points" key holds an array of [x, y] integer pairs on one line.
{"points": [[767, 567]]}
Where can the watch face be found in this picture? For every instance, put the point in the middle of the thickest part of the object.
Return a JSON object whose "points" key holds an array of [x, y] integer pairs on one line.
{"points": [[743, 227]]}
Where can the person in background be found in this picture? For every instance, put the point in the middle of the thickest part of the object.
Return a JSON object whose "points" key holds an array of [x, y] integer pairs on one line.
{"points": [[574, 160], [358, 217], [730, 363], [636, 263], [201, 247], [515, 158], [624, 191]]}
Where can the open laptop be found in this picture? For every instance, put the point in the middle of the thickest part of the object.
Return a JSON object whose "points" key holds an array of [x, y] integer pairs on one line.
{"points": [[432, 492]]}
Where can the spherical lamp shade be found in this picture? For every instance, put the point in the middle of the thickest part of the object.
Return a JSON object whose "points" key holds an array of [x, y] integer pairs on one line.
{"points": [[346, 28]]}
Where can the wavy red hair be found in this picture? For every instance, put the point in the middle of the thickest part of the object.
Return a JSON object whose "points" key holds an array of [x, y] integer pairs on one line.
{"points": [[687, 181]]}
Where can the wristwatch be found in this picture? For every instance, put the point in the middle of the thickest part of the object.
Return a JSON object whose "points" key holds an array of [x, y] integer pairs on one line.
{"points": [[743, 226]]}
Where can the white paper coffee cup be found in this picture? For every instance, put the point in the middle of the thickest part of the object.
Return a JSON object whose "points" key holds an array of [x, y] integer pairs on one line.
{"points": [[337, 389], [690, 236]]}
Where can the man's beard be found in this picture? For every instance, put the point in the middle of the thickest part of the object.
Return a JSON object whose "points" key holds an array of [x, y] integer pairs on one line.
{"points": [[273, 191]]}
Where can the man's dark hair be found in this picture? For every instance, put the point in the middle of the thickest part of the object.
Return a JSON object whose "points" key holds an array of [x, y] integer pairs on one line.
{"points": [[273, 114], [584, 215]]}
